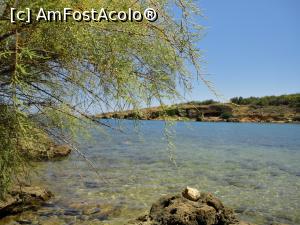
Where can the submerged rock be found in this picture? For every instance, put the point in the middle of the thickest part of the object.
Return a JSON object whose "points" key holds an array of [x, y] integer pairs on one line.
{"points": [[23, 198], [185, 210]]}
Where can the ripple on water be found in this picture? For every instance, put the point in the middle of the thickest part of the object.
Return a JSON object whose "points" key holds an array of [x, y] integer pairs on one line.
{"points": [[251, 167]]}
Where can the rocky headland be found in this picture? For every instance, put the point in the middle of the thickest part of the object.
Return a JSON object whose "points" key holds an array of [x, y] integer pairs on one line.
{"points": [[268, 109], [215, 112]]}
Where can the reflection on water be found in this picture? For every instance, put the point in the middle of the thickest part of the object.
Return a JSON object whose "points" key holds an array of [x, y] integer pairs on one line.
{"points": [[253, 168]]}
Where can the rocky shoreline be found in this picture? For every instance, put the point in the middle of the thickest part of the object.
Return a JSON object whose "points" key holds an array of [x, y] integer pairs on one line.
{"points": [[190, 207], [23, 197]]}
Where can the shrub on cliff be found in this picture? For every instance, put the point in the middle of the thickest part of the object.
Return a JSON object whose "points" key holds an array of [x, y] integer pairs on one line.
{"points": [[172, 111], [226, 115], [205, 102], [289, 100]]}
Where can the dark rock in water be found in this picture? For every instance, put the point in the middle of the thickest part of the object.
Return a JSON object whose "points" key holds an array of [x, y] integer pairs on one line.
{"points": [[23, 198], [72, 212], [90, 184], [241, 209], [278, 224], [90, 211], [24, 222], [178, 210]]}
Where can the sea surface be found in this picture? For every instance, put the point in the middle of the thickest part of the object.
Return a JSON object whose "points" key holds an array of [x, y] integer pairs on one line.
{"points": [[253, 168]]}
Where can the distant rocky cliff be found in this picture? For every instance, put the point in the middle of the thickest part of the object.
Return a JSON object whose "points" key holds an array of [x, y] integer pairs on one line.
{"points": [[215, 112]]}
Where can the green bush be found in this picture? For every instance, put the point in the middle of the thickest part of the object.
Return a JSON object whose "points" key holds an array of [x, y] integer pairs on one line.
{"points": [[226, 115], [292, 100], [206, 102], [172, 112]]}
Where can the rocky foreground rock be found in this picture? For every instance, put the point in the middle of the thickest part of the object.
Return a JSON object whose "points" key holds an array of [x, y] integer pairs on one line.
{"points": [[189, 208], [23, 198], [52, 152]]}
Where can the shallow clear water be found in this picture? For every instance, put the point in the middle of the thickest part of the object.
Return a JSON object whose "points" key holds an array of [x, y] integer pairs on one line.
{"points": [[254, 168]]}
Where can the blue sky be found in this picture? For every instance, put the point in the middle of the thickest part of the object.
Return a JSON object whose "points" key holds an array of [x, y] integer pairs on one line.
{"points": [[251, 48]]}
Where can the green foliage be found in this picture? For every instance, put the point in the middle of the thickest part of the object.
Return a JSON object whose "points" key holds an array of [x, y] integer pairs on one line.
{"points": [[226, 115], [221, 108], [172, 111], [17, 134], [292, 100], [205, 102], [133, 115], [53, 74]]}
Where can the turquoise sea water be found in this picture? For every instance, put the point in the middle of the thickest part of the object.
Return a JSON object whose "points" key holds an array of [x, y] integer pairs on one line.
{"points": [[254, 168]]}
